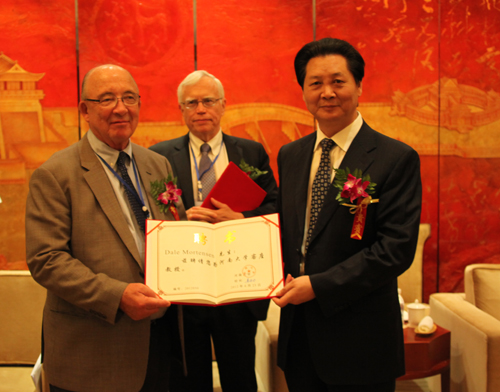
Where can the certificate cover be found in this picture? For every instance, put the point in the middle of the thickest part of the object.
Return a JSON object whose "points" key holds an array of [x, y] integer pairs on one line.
{"points": [[189, 262], [236, 189]]}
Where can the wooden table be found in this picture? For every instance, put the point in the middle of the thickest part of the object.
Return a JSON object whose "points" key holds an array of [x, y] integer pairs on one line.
{"points": [[427, 355]]}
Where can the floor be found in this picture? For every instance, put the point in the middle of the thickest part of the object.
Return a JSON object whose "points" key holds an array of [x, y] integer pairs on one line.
{"points": [[431, 384], [19, 380], [14, 379]]}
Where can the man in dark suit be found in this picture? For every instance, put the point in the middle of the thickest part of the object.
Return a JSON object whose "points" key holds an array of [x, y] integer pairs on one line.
{"points": [[232, 327], [103, 329], [341, 324]]}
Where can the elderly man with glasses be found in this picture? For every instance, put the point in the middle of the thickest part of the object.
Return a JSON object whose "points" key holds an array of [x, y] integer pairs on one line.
{"points": [[198, 159], [103, 329]]}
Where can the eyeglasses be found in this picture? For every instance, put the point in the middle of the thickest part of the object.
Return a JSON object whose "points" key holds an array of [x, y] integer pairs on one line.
{"points": [[206, 102], [111, 100]]}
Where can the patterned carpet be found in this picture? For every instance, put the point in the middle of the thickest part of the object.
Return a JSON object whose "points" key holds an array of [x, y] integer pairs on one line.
{"points": [[431, 384]]}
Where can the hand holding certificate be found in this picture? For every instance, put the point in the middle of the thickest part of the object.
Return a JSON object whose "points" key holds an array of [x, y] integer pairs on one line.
{"points": [[200, 263]]}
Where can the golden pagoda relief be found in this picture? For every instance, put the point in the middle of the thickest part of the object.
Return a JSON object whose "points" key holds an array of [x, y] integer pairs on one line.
{"points": [[26, 139], [21, 119]]}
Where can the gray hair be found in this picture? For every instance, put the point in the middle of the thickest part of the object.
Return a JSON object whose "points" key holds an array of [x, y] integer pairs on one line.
{"points": [[193, 78]]}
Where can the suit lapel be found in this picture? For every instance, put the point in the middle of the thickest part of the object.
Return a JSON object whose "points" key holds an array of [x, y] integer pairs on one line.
{"points": [[99, 184], [147, 174], [300, 171], [357, 157], [234, 152], [181, 165]]}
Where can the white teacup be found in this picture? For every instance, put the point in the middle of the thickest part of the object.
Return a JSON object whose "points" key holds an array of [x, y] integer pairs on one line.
{"points": [[416, 312]]}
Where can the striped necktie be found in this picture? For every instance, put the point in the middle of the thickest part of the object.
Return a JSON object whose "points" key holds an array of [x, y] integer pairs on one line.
{"points": [[132, 195], [207, 171]]}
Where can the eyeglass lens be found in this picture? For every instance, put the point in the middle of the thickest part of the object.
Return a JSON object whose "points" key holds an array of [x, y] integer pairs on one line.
{"points": [[206, 102], [128, 99]]}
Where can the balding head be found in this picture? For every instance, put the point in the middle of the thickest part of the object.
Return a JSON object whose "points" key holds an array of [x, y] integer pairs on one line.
{"points": [[113, 125], [102, 68]]}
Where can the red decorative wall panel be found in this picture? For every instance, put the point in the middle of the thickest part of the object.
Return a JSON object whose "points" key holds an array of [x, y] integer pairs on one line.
{"points": [[153, 40], [250, 46], [432, 80]]}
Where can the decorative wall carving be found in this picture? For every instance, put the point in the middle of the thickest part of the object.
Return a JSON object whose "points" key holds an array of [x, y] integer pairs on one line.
{"points": [[448, 104]]}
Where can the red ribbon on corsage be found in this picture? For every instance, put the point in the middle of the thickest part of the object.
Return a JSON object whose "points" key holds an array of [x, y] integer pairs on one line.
{"points": [[174, 212], [355, 186], [359, 211], [166, 194]]}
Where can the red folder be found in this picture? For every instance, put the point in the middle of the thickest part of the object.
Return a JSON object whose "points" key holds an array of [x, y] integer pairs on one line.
{"points": [[236, 189]]}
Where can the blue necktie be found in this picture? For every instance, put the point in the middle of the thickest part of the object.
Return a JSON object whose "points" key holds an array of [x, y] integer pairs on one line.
{"points": [[133, 198]]}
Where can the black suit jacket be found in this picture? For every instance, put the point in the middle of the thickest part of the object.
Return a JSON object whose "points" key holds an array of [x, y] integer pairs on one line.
{"points": [[354, 323], [177, 152]]}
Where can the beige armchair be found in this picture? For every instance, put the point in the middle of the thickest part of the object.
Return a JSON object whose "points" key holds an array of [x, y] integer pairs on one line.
{"points": [[21, 306], [410, 282], [473, 318]]}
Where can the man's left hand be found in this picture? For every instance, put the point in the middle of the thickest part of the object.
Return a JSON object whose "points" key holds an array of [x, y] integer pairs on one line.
{"points": [[201, 214], [224, 212], [221, 214], [295, 292]]}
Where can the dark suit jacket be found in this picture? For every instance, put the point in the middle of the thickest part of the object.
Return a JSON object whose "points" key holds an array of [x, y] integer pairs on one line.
{"points": [[354, 323], [79, 247], [177, 152]]}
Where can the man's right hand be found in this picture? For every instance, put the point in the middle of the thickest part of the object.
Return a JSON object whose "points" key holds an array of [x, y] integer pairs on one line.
{"points": [[296, 291], [139, 301]]}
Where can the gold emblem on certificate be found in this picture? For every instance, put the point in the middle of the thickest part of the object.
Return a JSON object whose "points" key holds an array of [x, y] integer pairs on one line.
{"points": [[200, 238]]}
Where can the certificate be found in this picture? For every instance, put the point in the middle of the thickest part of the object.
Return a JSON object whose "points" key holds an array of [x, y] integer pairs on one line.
{"points": [[200, 263]]}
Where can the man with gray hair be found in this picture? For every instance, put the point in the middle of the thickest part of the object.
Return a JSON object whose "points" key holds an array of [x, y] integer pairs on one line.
{"points": [[198, 159]]}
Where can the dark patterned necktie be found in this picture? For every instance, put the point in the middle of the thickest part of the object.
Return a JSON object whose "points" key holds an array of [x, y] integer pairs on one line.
{"points": [[133, 199], [207, 171], [320, 185]]}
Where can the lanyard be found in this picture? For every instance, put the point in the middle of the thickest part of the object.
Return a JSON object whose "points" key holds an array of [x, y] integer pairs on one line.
{"points": [[198, 175], [131, 190]]}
